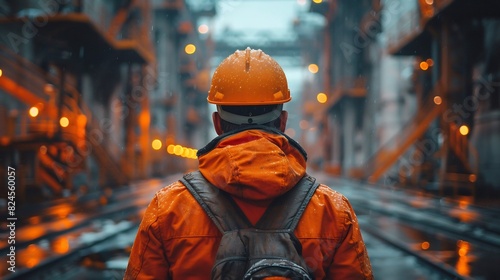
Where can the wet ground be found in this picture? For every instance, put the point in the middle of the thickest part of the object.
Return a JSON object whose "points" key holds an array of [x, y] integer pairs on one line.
{"points": [[400, 231]]}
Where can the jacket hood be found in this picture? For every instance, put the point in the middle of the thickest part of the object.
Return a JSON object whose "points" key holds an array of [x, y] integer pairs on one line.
{"points": [[253, 163]]}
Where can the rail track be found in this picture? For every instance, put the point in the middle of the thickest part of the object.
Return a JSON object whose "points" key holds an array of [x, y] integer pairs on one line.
{"points": [[407, 235], [447, 239], [59, 236]]}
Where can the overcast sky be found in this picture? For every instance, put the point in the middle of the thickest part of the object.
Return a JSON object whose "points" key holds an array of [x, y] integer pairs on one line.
{"points": [[275, 16], [248, 15]]}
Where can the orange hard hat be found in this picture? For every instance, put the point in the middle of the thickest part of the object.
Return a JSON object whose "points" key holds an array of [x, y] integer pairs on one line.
{"points": [[249, 77]]}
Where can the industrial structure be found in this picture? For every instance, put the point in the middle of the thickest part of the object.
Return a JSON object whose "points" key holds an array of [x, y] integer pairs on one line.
{"points": [[412, 93], [96, 94]]}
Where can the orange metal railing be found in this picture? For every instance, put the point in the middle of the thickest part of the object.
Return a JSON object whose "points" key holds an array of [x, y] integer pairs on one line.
{"points": [[32, 86], [391, 151]]}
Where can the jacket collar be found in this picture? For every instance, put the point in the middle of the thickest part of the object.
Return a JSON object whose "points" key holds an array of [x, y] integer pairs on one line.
{"points": [[212, 144]]}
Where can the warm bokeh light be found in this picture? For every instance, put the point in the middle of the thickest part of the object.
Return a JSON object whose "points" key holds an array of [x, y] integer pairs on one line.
{"points": [[31, 256], [313, 68], [438, 100], [64, 122], [4, 140], [178, 150], [203, 29], [60, 245], [43, 149], [185, 152], [424, 65], [472, 178], [290, 132], [81, 120], [49, 88], [156, 144], [430, 62], [103, 200], [170, 149], [34, 111], [463, 248], [1, 72], [190, 49], [321, 97], [181, 151], [35, 220], [425, 245], [303, 124], [317, 1], [429, 2], [464, 130]]}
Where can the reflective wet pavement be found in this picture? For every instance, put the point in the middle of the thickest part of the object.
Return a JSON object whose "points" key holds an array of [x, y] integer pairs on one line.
{"points": [[469, 260]]}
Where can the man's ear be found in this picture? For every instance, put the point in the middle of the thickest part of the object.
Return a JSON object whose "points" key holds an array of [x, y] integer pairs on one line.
{"points": [[283, 119], [216, 119]]}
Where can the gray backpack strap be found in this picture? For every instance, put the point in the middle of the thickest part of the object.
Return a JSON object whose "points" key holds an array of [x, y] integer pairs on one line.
{"points": [[218, 205], [285, 211], [268, 249]]}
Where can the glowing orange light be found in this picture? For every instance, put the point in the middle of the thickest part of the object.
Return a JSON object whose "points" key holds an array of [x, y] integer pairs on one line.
{"points": [[424, 65], [34, 220], [31, 256], [156, 144], [462, 252], [463, 248], [178, 150], [61, 245], [170, 149], [49, 89], [438, 100], [425, 245], [472, 178], [321, 97], [430, 62], [192, 153], [43, 149], [181, 151], [4, 140], [313, 68], [190, 49], [1, 72], [64, 122], [464, 130], [81, 120], [317, 1], [103, 200], [429, 2], [34, 111], [203, 29]]}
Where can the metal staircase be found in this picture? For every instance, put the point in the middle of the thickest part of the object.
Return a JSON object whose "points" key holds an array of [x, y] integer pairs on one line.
{"points": [[32, 86]]}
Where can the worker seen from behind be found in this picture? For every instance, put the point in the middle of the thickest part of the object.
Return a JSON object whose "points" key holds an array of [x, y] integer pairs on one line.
{"points": [[252, 162]]}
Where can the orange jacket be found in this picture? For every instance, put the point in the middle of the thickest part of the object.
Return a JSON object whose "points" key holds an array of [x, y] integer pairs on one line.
{"points": [[177, 240]]}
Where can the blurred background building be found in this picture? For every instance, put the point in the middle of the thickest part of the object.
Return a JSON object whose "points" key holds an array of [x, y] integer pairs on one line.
{"points": [[96, 94], [409, 94]]}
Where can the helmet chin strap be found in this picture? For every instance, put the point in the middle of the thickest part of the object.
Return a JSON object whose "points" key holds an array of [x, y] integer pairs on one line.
{"points": [[259, 119]]}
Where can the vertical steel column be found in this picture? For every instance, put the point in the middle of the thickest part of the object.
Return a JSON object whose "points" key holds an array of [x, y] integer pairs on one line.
{"points": [[444, 82]]}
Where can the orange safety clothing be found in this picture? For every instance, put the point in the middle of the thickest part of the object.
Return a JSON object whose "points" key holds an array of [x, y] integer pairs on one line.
{"points": [[177, 240]]}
